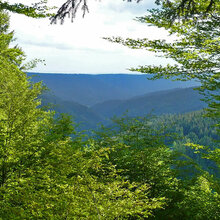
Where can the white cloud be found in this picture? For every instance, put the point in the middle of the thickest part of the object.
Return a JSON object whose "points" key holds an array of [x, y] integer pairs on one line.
{"points": [[79, 47]]}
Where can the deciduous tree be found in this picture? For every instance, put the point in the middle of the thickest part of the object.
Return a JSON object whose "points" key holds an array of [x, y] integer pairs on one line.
{"points": [[195, 50]]}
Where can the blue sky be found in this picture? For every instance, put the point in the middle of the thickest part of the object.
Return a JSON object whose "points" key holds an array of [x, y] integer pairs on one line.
{"points": [[78, 47]]}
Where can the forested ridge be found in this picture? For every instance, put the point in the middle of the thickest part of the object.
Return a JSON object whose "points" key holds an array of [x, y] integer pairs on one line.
{"points": [[158, 103], [91, 89], [192, 127], [138, 168]]}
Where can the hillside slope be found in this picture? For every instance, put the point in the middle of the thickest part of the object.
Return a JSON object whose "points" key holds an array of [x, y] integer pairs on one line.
{"points": [[163, 102], [85, 117], [89, 90]]}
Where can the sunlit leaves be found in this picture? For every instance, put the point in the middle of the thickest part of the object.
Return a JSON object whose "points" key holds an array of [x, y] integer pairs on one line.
{"points": [[36, 10], [195, 48]]}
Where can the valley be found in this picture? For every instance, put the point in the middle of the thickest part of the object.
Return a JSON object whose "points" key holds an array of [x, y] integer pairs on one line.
{"points": [[95, 99]]}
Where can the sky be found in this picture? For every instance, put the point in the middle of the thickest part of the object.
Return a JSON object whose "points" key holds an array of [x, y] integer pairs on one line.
{"points": [[79, 47]]}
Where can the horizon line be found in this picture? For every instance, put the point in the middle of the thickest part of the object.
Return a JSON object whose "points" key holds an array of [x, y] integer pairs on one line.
{"points": [[87, 73]]}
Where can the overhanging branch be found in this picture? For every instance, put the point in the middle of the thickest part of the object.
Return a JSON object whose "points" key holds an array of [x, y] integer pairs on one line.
{"points": [[70, 7]]}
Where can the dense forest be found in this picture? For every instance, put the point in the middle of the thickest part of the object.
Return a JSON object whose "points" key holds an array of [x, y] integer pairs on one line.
{"points": [[192, 127], [137, 168]]}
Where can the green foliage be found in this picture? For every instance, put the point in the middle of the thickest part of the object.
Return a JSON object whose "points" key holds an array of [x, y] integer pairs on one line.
{"points": [[195, 49], [200, 202], [4, 22], [45, 174], [191, 128], [14, 55], [35, 10], [140, 155], [144, 157], [123, 173]]}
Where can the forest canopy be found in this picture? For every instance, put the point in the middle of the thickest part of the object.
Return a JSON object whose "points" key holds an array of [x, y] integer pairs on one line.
{"points": [[50, 171]]}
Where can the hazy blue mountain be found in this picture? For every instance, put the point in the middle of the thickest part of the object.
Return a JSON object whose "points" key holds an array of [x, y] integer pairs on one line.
{"points": [[85, 117], [162, 102], [89, 89]]}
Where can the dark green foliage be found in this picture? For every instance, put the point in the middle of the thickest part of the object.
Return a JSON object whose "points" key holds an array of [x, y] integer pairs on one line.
{"points": [[15, 54], [145, 158], [193, 125], [194, 128], [36, 10], [195, 50]]}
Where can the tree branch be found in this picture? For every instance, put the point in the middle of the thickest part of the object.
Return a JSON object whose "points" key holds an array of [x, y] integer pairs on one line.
{"points": [[70, 7]]}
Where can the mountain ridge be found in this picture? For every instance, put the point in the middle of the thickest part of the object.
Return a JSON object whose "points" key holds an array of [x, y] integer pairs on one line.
{"points": [[92, 89], [172, 101], [160, 102]]}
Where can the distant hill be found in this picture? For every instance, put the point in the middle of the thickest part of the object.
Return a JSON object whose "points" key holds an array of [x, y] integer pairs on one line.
{"points": [[162, 102], [89, 90], [85, 117], [158, 103]]}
